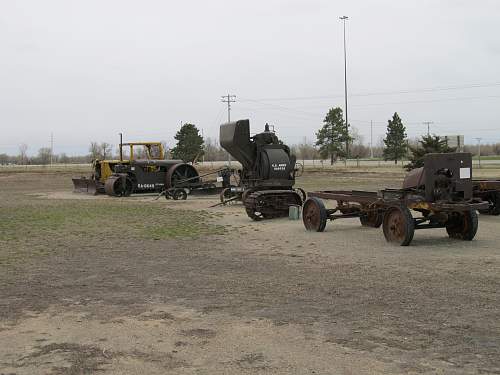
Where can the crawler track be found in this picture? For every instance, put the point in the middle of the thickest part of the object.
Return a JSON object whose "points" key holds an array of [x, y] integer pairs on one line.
{"points": [[269, 204]]}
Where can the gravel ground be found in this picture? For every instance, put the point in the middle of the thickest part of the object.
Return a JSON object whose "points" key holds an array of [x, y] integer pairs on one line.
{"points": [[243, 298]]}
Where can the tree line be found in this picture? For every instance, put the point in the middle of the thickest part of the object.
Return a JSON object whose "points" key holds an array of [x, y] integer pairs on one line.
{"points": [[330, 144]]}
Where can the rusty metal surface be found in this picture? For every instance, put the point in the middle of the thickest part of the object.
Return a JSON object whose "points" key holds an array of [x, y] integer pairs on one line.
{"points": [[448, 176], [346, 196], [393, 197], [414, 179]]}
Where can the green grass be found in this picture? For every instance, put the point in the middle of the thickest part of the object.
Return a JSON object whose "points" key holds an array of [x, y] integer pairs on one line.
{"points": [[46, 227], [490, 157], [136, 220]]}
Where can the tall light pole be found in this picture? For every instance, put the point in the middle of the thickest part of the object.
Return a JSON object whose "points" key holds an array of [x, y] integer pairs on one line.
{"points": [[479, 151], [371, 139], [344, 18]]}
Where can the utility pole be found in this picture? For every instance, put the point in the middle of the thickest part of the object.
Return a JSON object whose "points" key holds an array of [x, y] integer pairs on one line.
{"points": [[344, 18], [479, 151], [228, 99], [371, 139], [51, 147], [203, 137], [428, 123]]}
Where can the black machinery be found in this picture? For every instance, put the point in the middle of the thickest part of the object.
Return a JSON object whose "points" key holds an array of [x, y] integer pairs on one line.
{"points": [[145, 170], [268, 170], [488, 190], [441, 191]]}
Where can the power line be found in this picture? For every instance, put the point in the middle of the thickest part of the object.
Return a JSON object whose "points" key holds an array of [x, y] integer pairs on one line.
{"points": [[381, 93]]}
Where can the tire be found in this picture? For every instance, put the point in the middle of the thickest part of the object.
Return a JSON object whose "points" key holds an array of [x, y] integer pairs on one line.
{"points": [[314, 215], [179, 194], [225, 194], [462, 225], [398, 226]]}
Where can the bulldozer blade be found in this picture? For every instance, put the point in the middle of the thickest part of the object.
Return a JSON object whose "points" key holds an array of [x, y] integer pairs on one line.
{"points": [[85, 185]]}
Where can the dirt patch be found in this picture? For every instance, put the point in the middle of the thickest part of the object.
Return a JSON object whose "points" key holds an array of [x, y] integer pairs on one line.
{"points": [[178, 287]]}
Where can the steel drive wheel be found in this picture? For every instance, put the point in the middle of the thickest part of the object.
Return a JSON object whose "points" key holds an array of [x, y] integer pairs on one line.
{"points": [[178, 174], [118, 186], [314, 215], [398, 226], [462, 225]]}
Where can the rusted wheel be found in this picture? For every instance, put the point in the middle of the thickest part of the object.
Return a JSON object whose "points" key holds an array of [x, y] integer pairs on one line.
{"points": [[225, 195], [179, 194], [399, 226], [462, 225], [314, 215], [372, 219]]}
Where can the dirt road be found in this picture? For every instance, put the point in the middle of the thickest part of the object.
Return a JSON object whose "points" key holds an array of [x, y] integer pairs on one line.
{"points": [[102, 286]]}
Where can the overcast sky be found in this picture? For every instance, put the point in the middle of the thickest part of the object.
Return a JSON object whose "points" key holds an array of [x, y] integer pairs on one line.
{"points": [[86, 70]]}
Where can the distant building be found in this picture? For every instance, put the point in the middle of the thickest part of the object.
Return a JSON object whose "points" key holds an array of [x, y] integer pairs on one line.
{"points": [[456, 141]]}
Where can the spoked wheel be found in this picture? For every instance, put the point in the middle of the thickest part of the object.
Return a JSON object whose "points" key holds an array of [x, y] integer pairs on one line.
{"points": [[179, 173], [225, 195], [314, 215], [179, 194], [399, 226], [462, 225], [372, 219]]}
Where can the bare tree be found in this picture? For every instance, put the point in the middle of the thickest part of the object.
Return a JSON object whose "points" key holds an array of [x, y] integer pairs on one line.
{"points": [[44, 155], [23, 153], [106, 149], [63, 158], [4, 159], [95, 151]]}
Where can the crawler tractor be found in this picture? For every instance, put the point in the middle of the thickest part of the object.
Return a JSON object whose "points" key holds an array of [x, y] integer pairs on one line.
{"points": [[268, 170]]}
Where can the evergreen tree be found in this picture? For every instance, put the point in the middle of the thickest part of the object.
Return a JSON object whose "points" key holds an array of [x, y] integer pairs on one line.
{"points": [[395, 140], [428, 144], [189, 145], [332, 136]]}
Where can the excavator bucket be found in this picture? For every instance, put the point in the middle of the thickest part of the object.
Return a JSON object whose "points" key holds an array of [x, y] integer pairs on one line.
{"points": [[85, 185]]}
